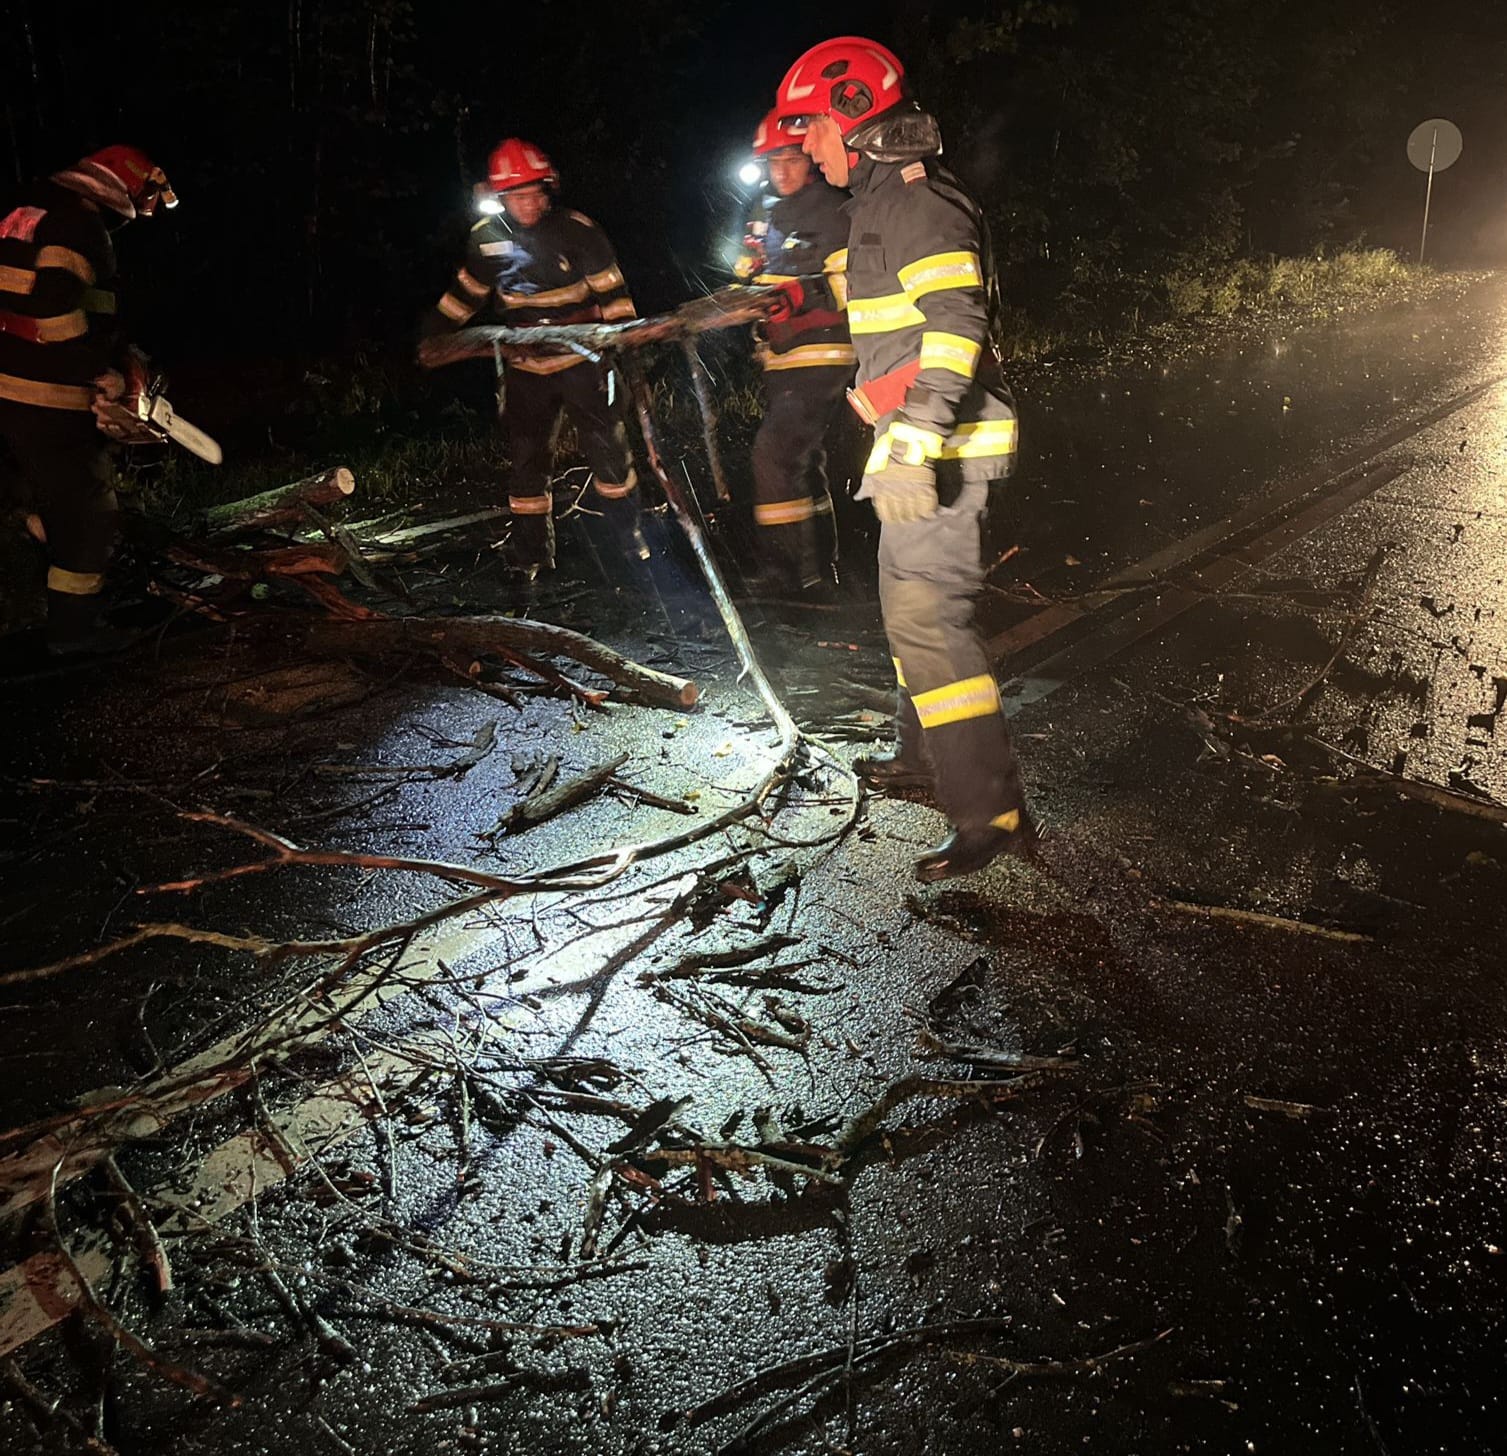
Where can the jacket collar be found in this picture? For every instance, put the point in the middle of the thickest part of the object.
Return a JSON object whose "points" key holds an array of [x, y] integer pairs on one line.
{"points": [[867, 178]]}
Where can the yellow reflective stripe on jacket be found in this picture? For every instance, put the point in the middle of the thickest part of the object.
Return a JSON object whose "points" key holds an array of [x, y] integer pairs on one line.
{"points": [[835, 266], [606, 280], [981, 437], [530, 505], [53, 256], [883, 315], [75, 583], [472, 285], [571, 293], [950, 351], [1009, 822], [812, 356], [973, 697], [17, 280], [98, 300], [917, 446], [899, 672], [772, 279], [784, 513], [940, 270], [457, 310], [619, 308], [49, 396], [58, 328]]}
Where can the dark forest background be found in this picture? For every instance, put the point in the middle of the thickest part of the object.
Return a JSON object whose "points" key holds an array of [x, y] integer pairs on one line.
{"points": [[325, 149]]}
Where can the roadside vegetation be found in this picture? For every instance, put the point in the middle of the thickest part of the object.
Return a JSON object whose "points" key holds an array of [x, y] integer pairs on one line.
{"points": [[412, 437]]}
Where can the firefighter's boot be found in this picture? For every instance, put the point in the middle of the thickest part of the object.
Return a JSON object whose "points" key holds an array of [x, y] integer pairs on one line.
{"points": [[74, 628], [893, 770], [531, 544], [620, 510], [966, 851]]}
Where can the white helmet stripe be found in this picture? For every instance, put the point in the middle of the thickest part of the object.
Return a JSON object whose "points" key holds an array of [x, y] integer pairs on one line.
{"points": [[891, 75]]}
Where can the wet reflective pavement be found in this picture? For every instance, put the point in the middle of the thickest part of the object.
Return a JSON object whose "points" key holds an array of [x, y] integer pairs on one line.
{"points": [[1192, 1140]]}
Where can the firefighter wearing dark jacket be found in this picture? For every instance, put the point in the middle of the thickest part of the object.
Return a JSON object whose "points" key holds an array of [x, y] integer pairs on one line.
{"points": [[799, 241], [529, 262], [61, 352], [928, 382]]}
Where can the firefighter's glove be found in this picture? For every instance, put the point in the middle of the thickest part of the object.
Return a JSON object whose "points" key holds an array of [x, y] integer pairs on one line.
{"points": [[116, 408], [109, 386], [903, 493], [787, 302], [751, 261]]}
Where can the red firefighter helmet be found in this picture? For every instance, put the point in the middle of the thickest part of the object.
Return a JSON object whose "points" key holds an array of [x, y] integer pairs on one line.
{"points": [[778, 133], [516, 163], [144, 181], [850, 79]]}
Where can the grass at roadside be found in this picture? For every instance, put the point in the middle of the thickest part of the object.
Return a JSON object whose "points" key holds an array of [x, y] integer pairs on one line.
{"points": [[1293, 289], [1318, 282]]}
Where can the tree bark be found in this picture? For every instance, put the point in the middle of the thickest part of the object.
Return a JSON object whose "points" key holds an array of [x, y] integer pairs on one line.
{"points": [[327, 558], [479, 636], [725, 309], [280, 506]]}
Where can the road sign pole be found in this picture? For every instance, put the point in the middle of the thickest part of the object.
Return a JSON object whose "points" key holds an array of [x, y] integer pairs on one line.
{"points": [[1428, 195], [1433, 146]]}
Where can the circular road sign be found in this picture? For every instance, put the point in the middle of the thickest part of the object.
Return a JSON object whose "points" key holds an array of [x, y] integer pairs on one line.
{"points": [[1437, 139]]}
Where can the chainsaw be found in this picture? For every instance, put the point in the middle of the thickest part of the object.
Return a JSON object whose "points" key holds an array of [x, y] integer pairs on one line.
{"points": [[147, 417]]}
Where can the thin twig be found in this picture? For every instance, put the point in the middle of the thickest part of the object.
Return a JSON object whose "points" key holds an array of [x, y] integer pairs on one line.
{"points": [[95, 1307], [145, 1231]]}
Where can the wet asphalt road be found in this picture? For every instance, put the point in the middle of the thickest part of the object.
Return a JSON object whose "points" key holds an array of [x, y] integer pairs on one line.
{"points": [[1260, 1207]]}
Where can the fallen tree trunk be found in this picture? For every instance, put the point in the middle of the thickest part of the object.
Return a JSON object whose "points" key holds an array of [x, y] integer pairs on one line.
{"points": [[280, 506], [727, 308], [478, 636]]}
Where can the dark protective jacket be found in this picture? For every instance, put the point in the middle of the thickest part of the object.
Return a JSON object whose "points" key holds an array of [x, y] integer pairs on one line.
{"points": [[561, 271], [917, 303], [805, 237], [58, 326]]}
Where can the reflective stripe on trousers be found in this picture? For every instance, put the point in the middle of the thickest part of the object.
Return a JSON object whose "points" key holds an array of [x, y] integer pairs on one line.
{"points": [[949, 710], [790, 470], [67, 477]]}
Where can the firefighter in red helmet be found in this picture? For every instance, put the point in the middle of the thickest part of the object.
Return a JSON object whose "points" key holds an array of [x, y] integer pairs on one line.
{"points": [[529, 262], [929, 382], [62, 354], [798, 240]]}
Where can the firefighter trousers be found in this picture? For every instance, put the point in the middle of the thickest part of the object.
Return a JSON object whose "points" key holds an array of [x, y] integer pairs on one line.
{"points": [[536, 404], [949, 712], [792, 504], [67, 479]]}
